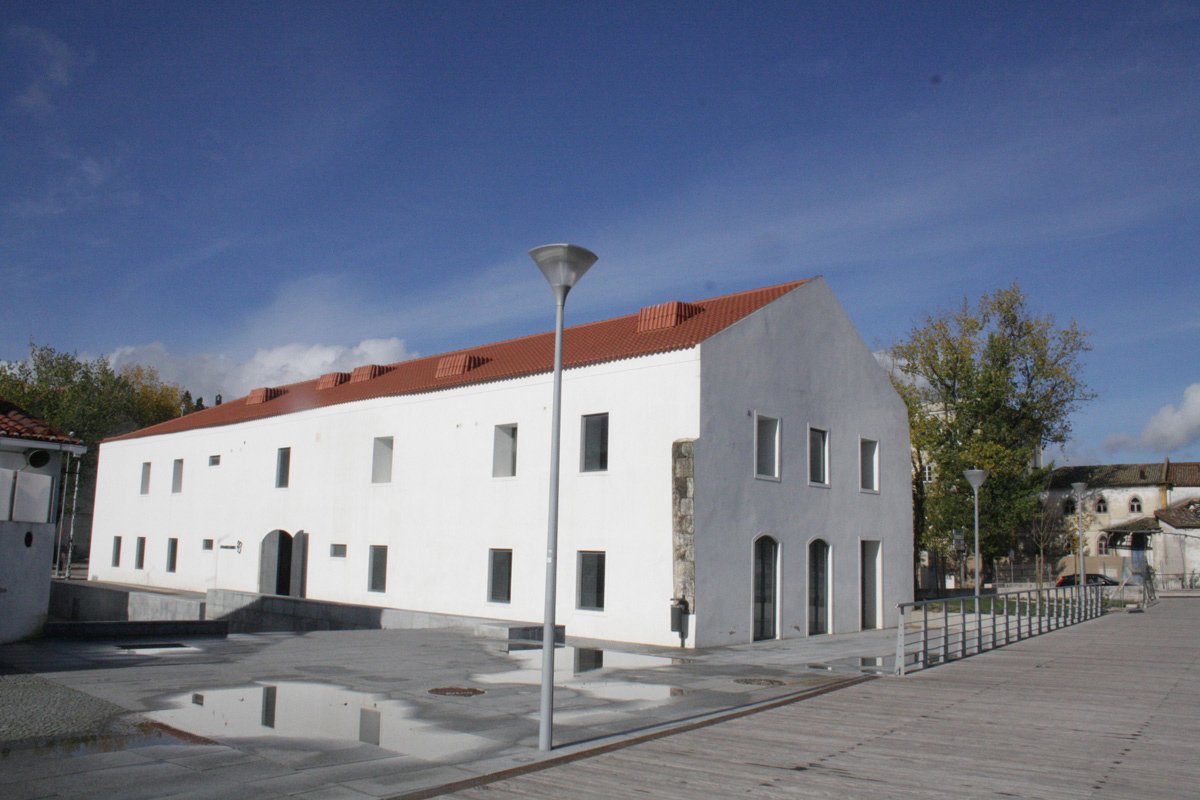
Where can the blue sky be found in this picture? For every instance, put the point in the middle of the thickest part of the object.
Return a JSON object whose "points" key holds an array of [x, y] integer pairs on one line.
{"points": [[251, 193]]}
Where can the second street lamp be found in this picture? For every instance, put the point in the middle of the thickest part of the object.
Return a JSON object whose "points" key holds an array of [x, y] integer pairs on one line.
{"points": [[976, 477]]}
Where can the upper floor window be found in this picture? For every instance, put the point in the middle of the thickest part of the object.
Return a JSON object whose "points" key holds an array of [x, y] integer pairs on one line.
{"points": [[1068, 506], [868, 465], [594, 444], [381, 460], [818, 456], [504, 451], [1101, 506], [177, 476], [145, 477], [1135, 505], [283, 467], [766, 446]]}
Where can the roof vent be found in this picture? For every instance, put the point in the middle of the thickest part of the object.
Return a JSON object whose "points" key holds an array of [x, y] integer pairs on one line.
{"points": [[332, 379], [666, 315], [458, 364], [262, 395], [366, 372]]}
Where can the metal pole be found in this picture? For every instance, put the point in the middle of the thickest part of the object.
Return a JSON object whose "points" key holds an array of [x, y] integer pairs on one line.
{"points": [[62, 517], [71, 533], [978, 610], [546, 714]]}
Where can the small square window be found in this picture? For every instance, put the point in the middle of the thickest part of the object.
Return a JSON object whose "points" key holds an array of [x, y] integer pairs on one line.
{"points": [[868, 465], [283, 467], [116, 551], [214, 461], [177, 476], [499, 576], [139, 554], [818, 456], [766, 446], [172, 554], [377, 578], [337, 551], [594, 449], [381, 460], [207, 544], [504, 451], [145, 477], [590, 568]]}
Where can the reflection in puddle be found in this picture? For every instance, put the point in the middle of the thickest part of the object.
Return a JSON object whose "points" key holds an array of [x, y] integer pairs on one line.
{"points": [[148, 735], [587, 670], [315, 711], [156, 648]]}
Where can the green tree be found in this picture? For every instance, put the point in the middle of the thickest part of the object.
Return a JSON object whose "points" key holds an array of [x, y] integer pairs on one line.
{"points": [[986, 387]]}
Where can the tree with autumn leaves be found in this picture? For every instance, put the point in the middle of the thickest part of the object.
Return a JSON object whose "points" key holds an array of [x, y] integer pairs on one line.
{"points": [[989, 386]]}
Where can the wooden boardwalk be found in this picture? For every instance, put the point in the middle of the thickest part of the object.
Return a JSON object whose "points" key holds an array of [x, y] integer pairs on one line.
{"points": [[1105, 709]]}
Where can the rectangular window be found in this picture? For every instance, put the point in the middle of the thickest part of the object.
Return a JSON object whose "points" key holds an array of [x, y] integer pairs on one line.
{"points": [[766, 447], [381, 460], [207, 544], [172, 553], [177, 476], [145, 477], [500, 576], [214, 461], [868, 465], [927, 471], [504, 452], [377, 579], [818, 456], [116, 554], [139, 554], [283, 467], [590, 568], [594, 445], [337, 551]]}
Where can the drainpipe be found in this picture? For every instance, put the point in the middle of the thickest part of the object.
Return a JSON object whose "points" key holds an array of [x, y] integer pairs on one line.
{"points": [[71, 534]]}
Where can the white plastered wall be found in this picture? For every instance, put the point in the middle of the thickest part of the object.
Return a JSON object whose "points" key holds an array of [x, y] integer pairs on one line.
{"points": [[800, 360], [441, 512], [26, 541]]}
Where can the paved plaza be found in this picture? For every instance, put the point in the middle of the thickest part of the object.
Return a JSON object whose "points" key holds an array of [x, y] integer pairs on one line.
{"points": [[1103, 709]]}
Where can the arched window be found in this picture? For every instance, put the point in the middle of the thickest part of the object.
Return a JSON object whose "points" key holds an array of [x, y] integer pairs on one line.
{"points": [[1101, 506], [1102, 545], [1069, 506], [1135, 505]]}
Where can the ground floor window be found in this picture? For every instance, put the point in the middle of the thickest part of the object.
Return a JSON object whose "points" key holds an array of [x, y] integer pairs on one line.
{"points": [[590, 569], [500, 576], [116, 553], [172, 554], [377, 579], [139, 555]]}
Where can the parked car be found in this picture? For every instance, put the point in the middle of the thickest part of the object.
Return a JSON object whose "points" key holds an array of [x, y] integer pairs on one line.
{"points": [[1093, 578]]}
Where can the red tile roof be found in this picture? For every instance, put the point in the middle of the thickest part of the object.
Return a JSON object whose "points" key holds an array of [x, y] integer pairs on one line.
{"points": [[16, 423], [583, 345]]}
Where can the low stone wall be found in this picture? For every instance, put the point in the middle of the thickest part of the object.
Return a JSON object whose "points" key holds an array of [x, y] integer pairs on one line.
{"points": [[248, 611], [79, 601]]}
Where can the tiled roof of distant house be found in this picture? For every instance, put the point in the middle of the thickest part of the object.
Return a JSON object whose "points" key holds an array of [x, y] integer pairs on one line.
{"points": [[1136, 525], [1184, 514], [654, 329], [17, 423], [1185, 473]]}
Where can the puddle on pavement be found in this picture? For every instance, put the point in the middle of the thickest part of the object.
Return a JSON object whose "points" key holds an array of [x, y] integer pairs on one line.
{"points": [[315, 711], [590, 671], [156, 648]]}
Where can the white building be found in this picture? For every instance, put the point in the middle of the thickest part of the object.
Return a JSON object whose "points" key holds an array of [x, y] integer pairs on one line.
{"points": [[31, 454], [745, 454]]}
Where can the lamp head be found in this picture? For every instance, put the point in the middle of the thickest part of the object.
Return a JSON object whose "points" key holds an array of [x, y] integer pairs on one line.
{"points": [[562, 264], [975, 477], [1079, 487]]}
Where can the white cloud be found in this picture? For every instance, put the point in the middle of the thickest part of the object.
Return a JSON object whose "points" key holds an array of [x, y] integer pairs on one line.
{"points": [[1171, 428], [52, 63], [209, 374]]}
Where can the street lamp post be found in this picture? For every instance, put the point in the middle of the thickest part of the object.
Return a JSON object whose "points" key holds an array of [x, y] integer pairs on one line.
{"points": [[976, 477], [563, 265], [1080, 576]]}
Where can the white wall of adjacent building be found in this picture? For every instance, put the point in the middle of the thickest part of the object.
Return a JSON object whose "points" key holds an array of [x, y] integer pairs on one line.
{"points": [[441, 512]]}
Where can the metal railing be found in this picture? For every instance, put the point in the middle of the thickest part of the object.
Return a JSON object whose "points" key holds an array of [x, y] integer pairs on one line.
{"points": [[931, 632]]}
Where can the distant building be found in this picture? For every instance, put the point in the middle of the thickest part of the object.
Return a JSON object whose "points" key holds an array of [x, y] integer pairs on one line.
{"points": [[744, 454], [31, 454], [1122, 509]]}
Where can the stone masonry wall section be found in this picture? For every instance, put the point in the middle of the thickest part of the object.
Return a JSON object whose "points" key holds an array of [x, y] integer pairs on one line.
{"points": [[683, 520]]}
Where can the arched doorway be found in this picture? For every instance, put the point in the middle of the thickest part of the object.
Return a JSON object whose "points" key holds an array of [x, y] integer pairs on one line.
{"points": [[818, 587], [766, 558], [283, 564]]}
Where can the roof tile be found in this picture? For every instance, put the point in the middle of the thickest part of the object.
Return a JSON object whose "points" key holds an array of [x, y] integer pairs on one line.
{"points": [[17, 423], [583, 345]]}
